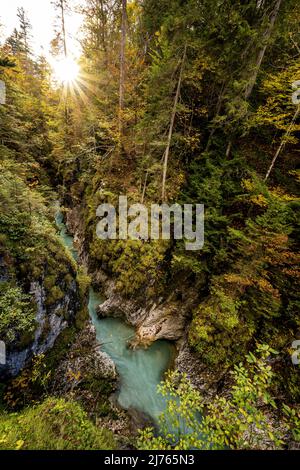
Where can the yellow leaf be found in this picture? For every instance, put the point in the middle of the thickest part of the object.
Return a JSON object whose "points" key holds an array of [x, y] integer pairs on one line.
{"points": [[19, 444]]}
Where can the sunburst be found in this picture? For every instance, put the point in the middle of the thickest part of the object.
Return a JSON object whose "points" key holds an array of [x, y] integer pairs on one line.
{"points": [[74, 82], [66, 71]]}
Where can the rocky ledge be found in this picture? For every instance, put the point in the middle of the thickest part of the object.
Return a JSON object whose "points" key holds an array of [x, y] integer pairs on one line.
{"points": [[84, 359], [153, 320]]}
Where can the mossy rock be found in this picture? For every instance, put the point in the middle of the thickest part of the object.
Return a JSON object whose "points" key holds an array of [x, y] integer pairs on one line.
{"points": [[50, 282], [60, 348], [68, 279], [55, 294], [81, 318], [25, 340], [102, 389]]}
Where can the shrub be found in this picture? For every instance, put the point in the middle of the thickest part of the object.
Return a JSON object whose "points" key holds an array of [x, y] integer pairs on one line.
{"points": [[17, 315], [239, 421]]}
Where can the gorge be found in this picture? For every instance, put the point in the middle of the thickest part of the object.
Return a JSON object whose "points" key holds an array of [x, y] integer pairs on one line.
{"points": [[119, 334], [140, 370]]}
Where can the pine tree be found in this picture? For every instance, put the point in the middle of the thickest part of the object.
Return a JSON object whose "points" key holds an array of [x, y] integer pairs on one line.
{"points": [[25, 31]]}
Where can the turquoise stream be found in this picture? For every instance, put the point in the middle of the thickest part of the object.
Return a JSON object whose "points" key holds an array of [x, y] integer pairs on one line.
{"points": [[140, 370]]}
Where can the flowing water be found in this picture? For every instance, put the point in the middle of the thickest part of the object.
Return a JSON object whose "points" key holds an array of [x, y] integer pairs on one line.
{"points": [[65, 236], [140, 370]]}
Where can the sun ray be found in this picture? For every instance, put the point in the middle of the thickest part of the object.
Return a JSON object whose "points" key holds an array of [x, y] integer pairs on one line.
{"points": [[87, 85], [89, 76], [81, 93]]}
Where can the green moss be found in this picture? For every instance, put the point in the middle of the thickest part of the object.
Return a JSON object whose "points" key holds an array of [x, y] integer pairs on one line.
{"points": [[17, 316], [54, 295], [60, 348], [102, 389], [81, 317], [84, 282], [56, 424], [68, 279], [49, 282], [134, 263]]}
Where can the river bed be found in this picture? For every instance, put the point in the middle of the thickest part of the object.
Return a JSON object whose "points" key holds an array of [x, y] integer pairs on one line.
{"points": [[140, 370]]}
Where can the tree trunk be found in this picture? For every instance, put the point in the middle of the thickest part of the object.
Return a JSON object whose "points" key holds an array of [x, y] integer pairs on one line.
{"points": [[62, 7], [103, 26], [167, 152], [144, 188], [228, 150], [64, 38], [218, 109], [283, 142], [122, 68], [265, 39]]}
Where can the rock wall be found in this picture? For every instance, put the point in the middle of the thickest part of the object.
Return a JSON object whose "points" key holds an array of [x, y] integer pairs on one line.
{"points": [[83, 359], [153, 320], [50, 323], [165, 318]]}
